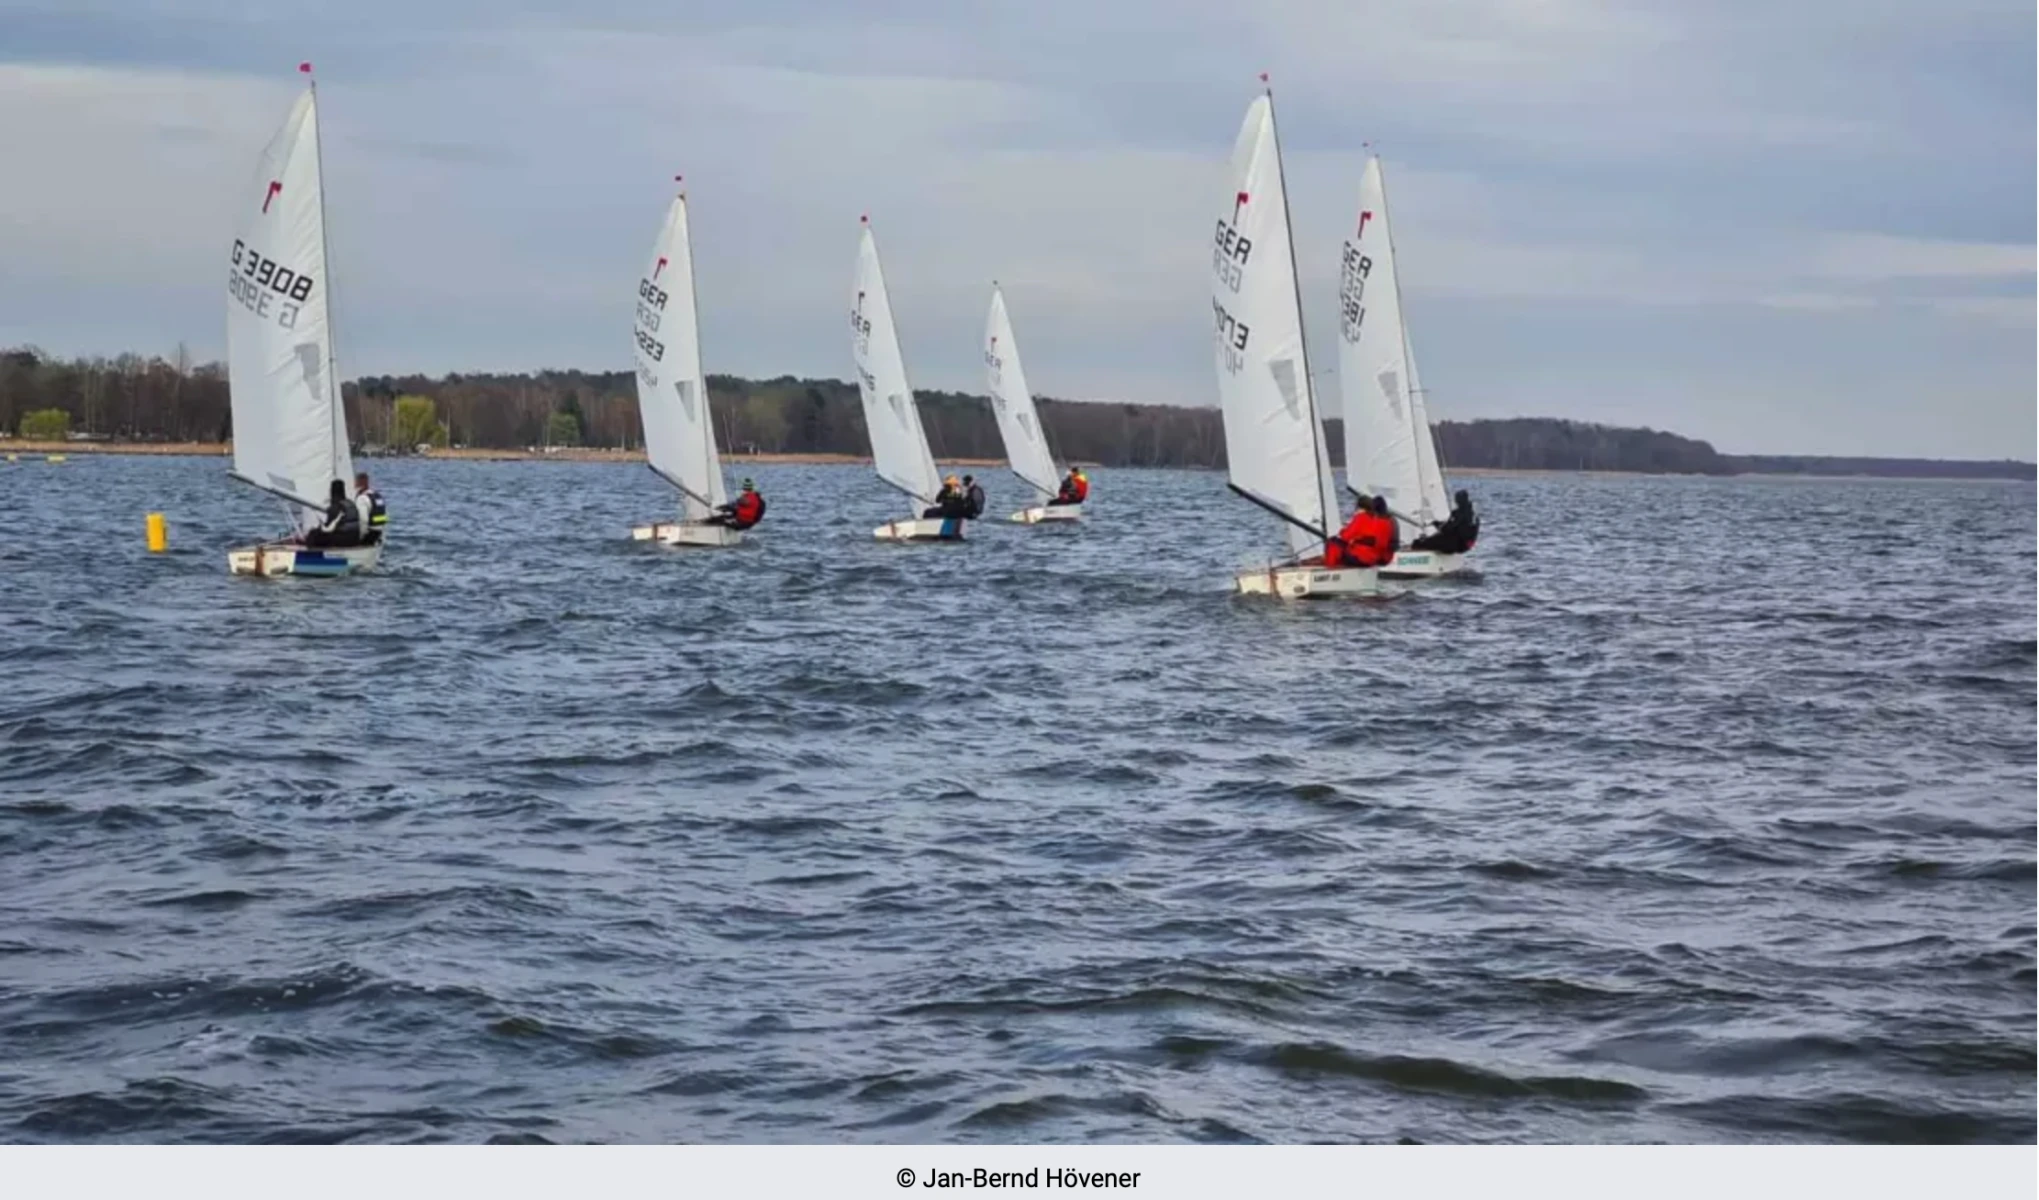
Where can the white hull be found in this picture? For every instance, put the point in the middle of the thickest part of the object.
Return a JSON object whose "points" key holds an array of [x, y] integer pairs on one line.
{"points": [[1423, 564], [1070, 513], [921, 529], [287, 558], [1310, 583], [687, 533]]}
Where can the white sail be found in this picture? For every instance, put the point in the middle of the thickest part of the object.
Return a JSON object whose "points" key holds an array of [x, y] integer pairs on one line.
{"points": [[672, 394], [289, 424], [899, 447], [1435, 504], [1389, 449], [1026, 446], [1274, 442]]}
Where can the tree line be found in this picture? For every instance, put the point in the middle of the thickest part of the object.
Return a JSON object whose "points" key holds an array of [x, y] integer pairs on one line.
{"points": [[132, 398]]}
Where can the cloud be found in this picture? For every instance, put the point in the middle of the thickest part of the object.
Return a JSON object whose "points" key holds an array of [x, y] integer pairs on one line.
{"points": [[1881, 256]]}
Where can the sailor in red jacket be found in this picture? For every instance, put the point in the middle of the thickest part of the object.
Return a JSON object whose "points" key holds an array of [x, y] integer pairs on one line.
{"points": [[743, 512], [1366, 541], [1075, 488]]}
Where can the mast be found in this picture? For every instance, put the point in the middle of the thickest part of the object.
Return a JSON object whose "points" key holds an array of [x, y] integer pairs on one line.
{"points": [[1329, 504], [326, 249], [708, 471]]}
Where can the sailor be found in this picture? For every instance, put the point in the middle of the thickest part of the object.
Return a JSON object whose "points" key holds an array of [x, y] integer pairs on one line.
{"points": [[743, 512], [1391, 529], [1455, 534], [369, 508], [1075, 488], [948, 501], [973, 497], [1364, 540], [342, 524]]}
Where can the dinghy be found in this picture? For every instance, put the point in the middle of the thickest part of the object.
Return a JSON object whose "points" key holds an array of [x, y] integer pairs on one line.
{"points": [[1274, 441], [899, 450], [672, 395], [289, 424], [1389, 447], [1019, 423]]}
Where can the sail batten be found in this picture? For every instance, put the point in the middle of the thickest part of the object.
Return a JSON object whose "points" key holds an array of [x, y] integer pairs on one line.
{"points": [[1389, 447], [1019, 421], [899, 448], [289, 420], [1274, 441], [672, 394]]}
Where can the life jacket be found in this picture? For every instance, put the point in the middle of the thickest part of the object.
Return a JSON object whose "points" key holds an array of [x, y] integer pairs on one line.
{"points": [[378, 512], [1362, 543], [1080, 485], [750, 509], [342, 517], [973, 503]]}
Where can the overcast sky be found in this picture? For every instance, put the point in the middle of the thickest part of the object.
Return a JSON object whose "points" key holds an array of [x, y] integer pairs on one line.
{"points": [[1781, 225]]}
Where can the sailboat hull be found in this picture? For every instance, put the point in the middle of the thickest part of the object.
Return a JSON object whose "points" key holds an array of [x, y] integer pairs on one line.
{"points": [[286, 558], [1310, 583], [686, 533], [1059, 513], [1423, 564], [921, 529]]}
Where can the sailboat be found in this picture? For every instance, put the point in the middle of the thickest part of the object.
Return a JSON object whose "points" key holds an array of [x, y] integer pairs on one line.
{"points": [[289, 424], [1274, 440], [672, 396], [1390, 449], [1019, 423], [899, 449]]}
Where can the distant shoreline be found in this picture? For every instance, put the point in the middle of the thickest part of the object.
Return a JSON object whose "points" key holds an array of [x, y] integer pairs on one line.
{"points": [[10, 447], [464, 453]]}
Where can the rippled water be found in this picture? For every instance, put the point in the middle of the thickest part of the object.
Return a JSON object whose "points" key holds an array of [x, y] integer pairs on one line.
{"points": [[1706, 815]]}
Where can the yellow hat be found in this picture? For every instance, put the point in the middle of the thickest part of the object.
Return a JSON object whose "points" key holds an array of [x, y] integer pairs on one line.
{"points": [[951, 479]]}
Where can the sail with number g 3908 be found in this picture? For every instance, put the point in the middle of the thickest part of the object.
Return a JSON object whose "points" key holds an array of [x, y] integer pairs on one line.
{"points": [[289, 424]]}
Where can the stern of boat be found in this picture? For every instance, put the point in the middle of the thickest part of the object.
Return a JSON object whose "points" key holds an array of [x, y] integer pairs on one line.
{"points": [[686, 533], [1058, 513], [269, 559], [1423, 564], [921, 529]]}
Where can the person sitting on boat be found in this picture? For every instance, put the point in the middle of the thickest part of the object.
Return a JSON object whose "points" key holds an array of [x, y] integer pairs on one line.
{"points": [[1363, 542], [1455, 534], [342, 525], [1075, 488], [973, 497], [368, 505], [948, 502], [1393, 528], [743, 512]]}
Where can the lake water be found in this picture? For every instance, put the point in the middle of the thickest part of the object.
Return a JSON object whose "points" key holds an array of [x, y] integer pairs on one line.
{"points": [[1705, 815]]}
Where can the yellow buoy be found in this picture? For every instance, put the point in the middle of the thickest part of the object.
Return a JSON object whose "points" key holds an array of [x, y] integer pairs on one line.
{"points": [[53, 458], [159, 534]]}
